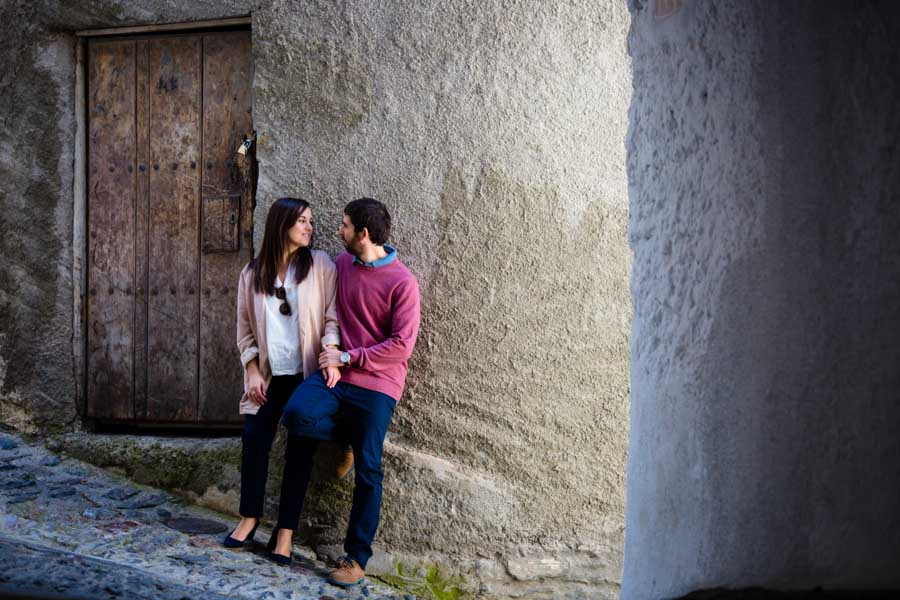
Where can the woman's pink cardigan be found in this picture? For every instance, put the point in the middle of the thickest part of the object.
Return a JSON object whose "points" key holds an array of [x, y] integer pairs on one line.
{"points": [[316, 318]]}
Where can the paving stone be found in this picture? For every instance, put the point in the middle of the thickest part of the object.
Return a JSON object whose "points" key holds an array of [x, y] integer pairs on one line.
{"points": [[25, 497], [92, 501], [17, 484], [119, 526], [63, 492], [67, 481], [99, 513], [50, 461], [198, 542], [14, 457], [194, 525], [191, 559], [121, 493], [144, 500]]}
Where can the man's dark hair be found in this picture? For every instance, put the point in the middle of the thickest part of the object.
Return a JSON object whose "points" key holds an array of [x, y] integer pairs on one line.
{"points": [[370, 214]]}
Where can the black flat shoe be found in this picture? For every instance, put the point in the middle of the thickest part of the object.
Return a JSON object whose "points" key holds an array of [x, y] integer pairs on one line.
{"points": [[230, 542], [277, 558], [280, 559]]}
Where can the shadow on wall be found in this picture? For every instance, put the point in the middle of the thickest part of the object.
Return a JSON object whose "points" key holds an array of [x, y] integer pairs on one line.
{"points": [[764, 176]]}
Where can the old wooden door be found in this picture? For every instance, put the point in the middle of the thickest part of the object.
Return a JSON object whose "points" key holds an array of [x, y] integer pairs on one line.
{"points": [[168, 227]]}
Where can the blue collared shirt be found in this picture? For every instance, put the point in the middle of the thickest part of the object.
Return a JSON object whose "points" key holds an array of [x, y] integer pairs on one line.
{"points": [[381, 262]]}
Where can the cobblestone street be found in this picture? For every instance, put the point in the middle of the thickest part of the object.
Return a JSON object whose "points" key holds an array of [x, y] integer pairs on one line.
{"points": [[70, 530]]}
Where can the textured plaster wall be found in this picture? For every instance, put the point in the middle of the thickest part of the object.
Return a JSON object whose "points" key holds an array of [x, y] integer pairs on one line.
{"points": [[763, 182], [495, 133]]}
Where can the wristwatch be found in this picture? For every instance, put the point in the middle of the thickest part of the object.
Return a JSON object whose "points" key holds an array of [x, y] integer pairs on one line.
{"points": [[345, 359]]}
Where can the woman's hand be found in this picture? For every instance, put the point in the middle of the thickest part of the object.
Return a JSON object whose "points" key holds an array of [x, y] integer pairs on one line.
{"points": [[332, 375], [256, 388]]}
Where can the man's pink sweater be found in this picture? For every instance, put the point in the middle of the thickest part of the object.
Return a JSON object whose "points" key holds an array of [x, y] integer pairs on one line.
{"points": [[378, 313]]}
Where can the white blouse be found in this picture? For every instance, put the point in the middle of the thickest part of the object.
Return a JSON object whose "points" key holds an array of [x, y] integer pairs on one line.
{"points": [[282, 331]]}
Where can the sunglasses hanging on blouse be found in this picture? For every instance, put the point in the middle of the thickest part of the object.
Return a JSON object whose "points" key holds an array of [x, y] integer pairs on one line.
{"points": [[285, 308]]}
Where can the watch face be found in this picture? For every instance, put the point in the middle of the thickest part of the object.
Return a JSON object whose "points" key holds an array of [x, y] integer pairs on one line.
{"points": [[345, 358]]}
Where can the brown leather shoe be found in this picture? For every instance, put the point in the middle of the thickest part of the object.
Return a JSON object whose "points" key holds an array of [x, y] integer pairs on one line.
{"points": [[348, 573], [344, 462]]}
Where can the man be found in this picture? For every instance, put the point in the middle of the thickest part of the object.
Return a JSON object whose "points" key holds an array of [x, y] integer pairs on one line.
{"points": [[378, 314]]}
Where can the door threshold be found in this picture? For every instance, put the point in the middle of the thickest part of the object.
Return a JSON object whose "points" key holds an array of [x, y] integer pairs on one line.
{"points": [[163, 429]]}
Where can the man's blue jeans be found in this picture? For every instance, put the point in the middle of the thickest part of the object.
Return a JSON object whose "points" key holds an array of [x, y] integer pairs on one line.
{"points": [[311, 413]]}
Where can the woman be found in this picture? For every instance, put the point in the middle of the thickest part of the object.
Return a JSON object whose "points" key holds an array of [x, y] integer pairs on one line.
{"points": [[285, 315]]}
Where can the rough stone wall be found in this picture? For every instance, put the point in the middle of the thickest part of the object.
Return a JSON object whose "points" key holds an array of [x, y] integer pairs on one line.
{"points": [[36, 378], [494, 132], [763, 177]]}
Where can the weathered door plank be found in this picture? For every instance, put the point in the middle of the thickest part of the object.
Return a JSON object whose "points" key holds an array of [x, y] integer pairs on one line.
{"points": [[111, 184], [227, 75], [141, 233], [174, 207]]}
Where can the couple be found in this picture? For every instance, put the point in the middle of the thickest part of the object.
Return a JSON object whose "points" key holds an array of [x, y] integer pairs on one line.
{"points": [[317, 340]]}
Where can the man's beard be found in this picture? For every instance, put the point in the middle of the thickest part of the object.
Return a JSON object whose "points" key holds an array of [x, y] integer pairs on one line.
{"points": [[353, 247]]}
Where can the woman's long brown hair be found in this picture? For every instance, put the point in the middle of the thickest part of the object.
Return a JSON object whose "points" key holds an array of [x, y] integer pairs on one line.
{"points": [[283, 213]]}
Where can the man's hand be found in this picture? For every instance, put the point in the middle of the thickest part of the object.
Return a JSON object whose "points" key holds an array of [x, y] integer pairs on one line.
{"points": [[330, 357], [332, 375]]}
